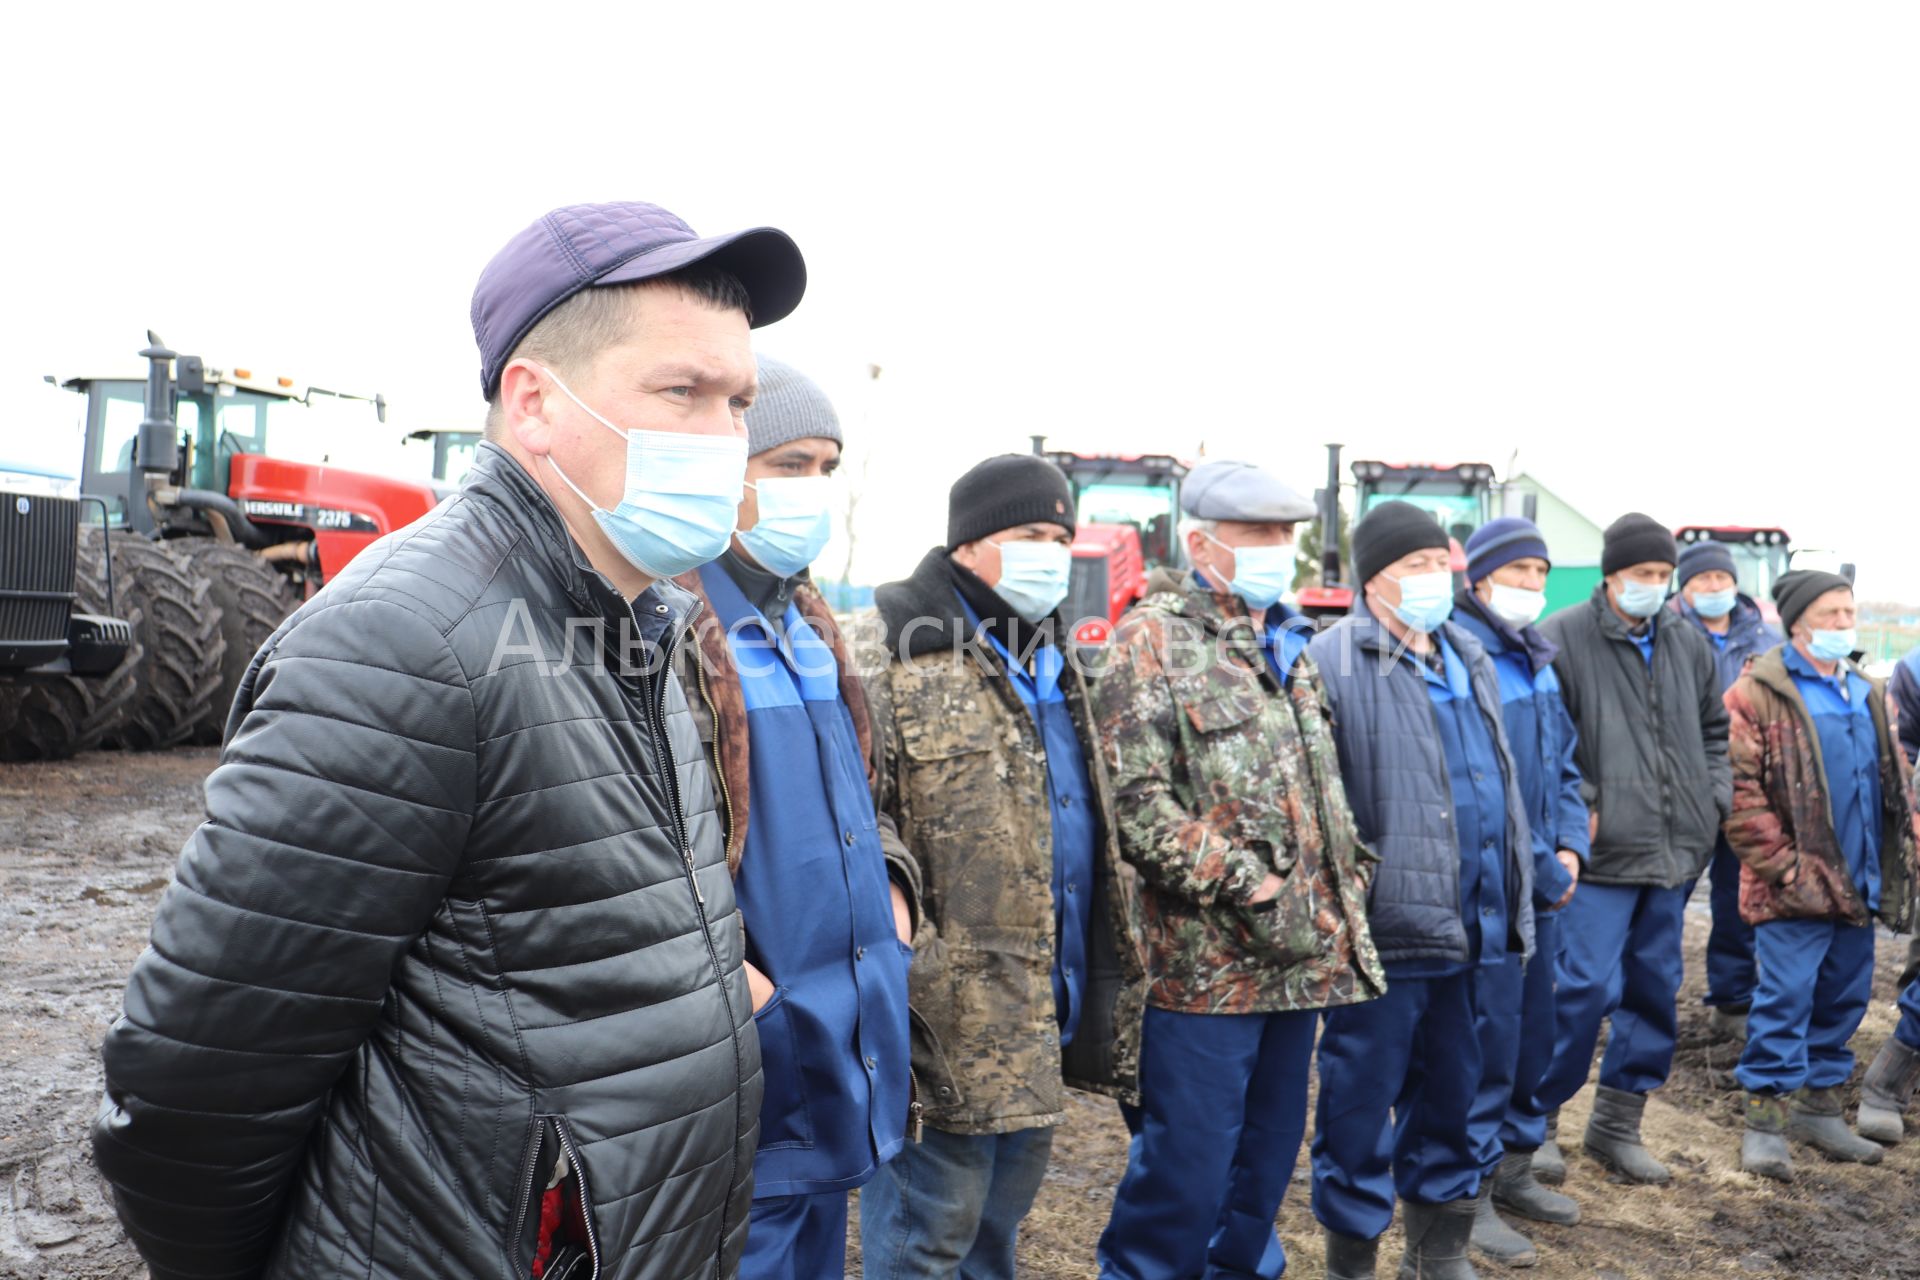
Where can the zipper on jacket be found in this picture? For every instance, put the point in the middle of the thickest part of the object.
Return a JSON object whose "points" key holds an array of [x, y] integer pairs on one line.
{"points": [[719, 774], [528, 1180], [586, 1200], [664, 753]]}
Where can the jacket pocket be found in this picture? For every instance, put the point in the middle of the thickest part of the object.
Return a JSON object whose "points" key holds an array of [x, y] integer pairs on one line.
{"points": [[784, 1119], [951, 783], [931, 1071], [1285, 930], [554, 1216]]}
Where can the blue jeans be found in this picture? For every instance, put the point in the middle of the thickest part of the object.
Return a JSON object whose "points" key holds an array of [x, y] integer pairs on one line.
{"points": [[1223, 1110], [1397, 1081], [951, 1205], [1620, 961], [797, 1238], [1730, 964], [1815, 979]]}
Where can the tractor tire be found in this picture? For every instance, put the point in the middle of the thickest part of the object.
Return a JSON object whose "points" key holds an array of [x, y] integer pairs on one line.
{"points": [[61, 716], [254, 599], [179, 633]]}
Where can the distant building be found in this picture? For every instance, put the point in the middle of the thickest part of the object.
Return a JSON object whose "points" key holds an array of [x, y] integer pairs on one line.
{"points": [[1574, 539]]}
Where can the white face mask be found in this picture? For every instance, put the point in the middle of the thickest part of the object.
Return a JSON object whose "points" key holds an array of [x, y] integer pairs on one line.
{"points": [[1517, 606], [1033, 577]]}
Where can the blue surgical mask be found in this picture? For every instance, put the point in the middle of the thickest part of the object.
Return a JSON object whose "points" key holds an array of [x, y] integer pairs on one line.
{"points": [[1641, 599], [796, 519], [1033, 577], [1261, 575], [682, 496], [1832, 646], [1426, 600], [1716, 604]]}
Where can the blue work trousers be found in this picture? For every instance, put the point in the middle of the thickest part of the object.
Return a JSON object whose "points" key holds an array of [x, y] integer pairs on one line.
{"points": [[797, 1238], [1815, 979], [1730, 964], [1516, 1031]]}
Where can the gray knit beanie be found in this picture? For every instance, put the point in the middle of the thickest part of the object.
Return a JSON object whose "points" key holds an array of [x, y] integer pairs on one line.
{"points": [[789, 407]]}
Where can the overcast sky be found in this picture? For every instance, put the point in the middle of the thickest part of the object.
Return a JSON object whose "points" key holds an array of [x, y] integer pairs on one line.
{"points": [[1668, 253]]}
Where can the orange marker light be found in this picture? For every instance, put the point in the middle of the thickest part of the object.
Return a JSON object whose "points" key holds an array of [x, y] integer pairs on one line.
{"points": [[285, 382], [243, 374]]}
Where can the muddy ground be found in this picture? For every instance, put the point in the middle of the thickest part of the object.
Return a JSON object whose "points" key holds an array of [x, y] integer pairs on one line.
{"points": [[87, 847]]}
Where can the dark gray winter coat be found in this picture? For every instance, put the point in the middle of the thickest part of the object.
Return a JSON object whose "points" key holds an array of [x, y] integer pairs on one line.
{"points": [[452, 910], [1395, 772], [1653, 741]]}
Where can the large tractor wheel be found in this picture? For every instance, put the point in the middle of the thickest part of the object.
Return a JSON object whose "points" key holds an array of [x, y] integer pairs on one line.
{"points": [[179, 633], [55, 718], [254, 598]]}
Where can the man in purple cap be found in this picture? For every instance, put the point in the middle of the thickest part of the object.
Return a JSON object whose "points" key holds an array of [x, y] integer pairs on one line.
{"points": [[451, 981]]}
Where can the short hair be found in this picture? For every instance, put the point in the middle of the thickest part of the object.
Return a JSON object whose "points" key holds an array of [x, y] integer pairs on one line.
{"points": [[580, 328], [1193, 524]]}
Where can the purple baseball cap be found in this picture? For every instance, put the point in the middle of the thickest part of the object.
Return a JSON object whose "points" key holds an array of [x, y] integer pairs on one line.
{"points": [[584, 245]]}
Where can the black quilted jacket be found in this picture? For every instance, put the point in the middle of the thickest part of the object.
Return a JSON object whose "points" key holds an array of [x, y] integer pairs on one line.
{"points": [[452, 909]]}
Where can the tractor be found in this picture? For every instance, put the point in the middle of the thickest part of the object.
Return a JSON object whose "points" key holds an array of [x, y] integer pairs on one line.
{"points": [[213, 533], [1127, 508], [1761, 557], [1460, 496]]}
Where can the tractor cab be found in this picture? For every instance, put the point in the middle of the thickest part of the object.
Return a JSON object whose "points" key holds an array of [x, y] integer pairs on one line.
{"points": [[1127, 507], [1459, 496], [301, 475], [1760, 557]]}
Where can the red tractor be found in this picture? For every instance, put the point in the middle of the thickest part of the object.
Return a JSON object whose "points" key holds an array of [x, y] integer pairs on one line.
{"points": [[1128, 512], [213, 540]]}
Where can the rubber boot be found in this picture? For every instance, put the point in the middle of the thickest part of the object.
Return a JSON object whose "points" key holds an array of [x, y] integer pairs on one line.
{"points": [[1763, 1148], [1516, 1190], [1350, 1257], [1437, 1236], [1613, 1137], [1728, 1022], [1886, 1091], [1549, 1165], [1494, 1238], [1816, 1119]]}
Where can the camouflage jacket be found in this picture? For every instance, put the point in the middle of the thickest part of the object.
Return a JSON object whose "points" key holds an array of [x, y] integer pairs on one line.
{"points": [[963, 774], [1783, 817], [1221, 775]]}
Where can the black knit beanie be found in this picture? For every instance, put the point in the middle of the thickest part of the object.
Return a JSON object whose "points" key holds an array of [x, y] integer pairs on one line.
{"points": [[1795, 592], [1012, 489], [1389, 531], [1636, 539]]}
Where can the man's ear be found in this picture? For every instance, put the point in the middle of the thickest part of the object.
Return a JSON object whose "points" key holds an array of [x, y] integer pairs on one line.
{"points": [[523, 407]]}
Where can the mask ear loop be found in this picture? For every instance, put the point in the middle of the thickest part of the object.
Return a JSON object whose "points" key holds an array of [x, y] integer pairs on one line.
{"points": [[588, 410]]}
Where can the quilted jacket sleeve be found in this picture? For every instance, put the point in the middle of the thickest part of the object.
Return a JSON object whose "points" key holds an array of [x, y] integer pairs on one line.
{"points": [[334, 821]]}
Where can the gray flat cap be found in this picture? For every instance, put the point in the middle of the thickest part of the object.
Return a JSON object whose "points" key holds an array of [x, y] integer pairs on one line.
{"points": [[1241, 491]]}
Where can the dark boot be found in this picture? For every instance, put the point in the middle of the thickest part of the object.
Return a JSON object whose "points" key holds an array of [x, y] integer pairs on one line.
{"points": [[1350, 1257], [1886, 1091], [1763, 1148], [1549, 1166], [1728, 1022], [1494, 1238], [1437, 1236], [1613, 1137], [1816, 1119], [1516, 1190]]}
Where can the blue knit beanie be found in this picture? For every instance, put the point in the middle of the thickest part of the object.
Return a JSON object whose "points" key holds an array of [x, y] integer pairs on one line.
{"points": [[1503, 541]]}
